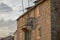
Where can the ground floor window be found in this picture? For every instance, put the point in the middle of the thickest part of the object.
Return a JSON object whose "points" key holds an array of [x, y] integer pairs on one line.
{"points": [[55, 35], [58, 35], [39, 31], [27, 35]]}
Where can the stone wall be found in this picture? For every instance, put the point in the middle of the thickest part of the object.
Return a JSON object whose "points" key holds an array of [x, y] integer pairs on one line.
{"points": [[55, 17]]}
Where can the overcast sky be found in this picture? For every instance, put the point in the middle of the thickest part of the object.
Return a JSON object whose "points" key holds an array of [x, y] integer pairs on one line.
{"points": [[10, 10]]}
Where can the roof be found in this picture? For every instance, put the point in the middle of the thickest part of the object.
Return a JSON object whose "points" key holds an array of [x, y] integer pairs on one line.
{"points": [[31, 8], [35, 1]]}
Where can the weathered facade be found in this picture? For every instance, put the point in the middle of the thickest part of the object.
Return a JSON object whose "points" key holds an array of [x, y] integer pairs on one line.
{"points": [[40, 22]]}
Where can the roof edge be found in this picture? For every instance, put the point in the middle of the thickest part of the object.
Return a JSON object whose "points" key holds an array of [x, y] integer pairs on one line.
{"points": [[31, 9]]}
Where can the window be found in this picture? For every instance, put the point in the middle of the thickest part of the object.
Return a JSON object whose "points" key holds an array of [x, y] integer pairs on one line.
{"points": [[54, 35], [27, 35], [31, 22], [39, 31], [58, 35]]}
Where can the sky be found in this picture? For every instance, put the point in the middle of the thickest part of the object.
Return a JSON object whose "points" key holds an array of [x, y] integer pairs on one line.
{"points": [[10, 10]]}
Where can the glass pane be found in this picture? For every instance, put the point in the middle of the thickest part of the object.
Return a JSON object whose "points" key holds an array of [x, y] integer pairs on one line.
{"points": [[27, 35]]}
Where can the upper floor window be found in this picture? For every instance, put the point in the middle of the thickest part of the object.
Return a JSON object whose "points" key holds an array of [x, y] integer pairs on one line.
{"points": [[31, 22]]}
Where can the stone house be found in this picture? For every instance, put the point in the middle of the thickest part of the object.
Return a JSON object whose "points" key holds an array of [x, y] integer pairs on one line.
{"points": [[40, 22]]}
